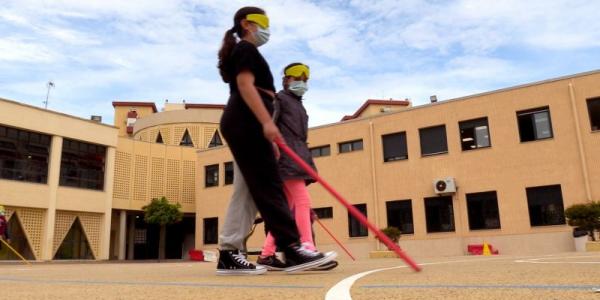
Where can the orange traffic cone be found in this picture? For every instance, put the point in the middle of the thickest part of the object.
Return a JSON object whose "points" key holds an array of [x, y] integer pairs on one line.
{"points": [[486, 249]]}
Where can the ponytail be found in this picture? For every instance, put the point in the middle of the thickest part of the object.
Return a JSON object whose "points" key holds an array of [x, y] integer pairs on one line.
{"points": [[229, 39], [228, 43]]}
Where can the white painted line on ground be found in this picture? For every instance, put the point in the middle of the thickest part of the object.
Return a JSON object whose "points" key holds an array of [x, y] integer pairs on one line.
{"points": [[341, 290], [539, 260]]}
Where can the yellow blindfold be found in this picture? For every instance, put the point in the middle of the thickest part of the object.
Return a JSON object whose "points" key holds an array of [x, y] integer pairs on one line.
{"points": [[297, 71], [261, 20]]}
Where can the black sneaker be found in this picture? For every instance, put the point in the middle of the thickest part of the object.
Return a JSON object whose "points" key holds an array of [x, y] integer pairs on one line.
{"points": [[299, 258], [326, 266], [272, 263], [232, 262]]}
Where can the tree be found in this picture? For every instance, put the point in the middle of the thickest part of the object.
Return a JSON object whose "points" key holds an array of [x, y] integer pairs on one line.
{"points": [[393, 233], [163, 213], [585, 216]]}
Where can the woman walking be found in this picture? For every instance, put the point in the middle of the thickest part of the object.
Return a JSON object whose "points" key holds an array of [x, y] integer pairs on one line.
{"points": [[249, 130]]}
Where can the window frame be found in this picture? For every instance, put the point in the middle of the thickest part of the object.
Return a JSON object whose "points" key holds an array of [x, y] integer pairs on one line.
{"points": [[74, 160], [390, 158], [30, 157], [452, 227], [590, 116], [215, 232], [481, 197], [320, 151], [362, 231], [228, 168], [353, 146], [532, 112], [215, 178], [548, 189], [401, 221], [422, 131], [464, 125]]}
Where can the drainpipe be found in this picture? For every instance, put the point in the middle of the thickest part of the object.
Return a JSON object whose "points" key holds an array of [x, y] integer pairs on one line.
{"points": [[586, 179], [374, 180]]}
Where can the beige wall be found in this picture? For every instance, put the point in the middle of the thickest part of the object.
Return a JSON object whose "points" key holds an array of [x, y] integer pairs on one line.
{"points": [[50, 199], [508, 167]]}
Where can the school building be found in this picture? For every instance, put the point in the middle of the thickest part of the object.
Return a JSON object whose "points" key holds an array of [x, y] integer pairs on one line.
{"points": [[499, 166]]}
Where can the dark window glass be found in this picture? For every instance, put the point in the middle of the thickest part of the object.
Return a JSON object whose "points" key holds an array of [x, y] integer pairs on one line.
{"points": [[483, 211], [439, 214], [350, 146], [399, 215], [186, 140], [211, 175], [228, 172], [474, 134], [394, 146], [211, 231], [433, 140], [594, 112], [24, 155], [216, 140], [534, 124], [355, 228], [82, 165], [545, 205], [159, 139], [324, 212], [320, 151]]}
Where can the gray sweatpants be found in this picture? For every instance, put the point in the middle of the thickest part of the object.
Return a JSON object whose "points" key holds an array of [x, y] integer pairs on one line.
{"points": [[240, 216]]}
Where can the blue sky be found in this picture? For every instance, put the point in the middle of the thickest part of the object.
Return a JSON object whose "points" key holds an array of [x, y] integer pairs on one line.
{"points": [[99, 51]]}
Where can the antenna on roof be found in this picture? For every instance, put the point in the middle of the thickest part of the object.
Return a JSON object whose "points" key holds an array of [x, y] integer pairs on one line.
{"points": [[50, 85]]}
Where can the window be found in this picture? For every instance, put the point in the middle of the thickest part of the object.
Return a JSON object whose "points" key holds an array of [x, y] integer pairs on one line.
{"points": [[483, 211], [439, 214], [320, 151], [534, 124], [324, 212], [433, 140], [594, 111], [228, 173], [474, 134], [159, 139], [350, 146], [82, 165], [211, 175], [211, 231], [399, 215], [186, 140], [545, 205], [394, 146], [355, 228], [216, 140], [24, 155]]}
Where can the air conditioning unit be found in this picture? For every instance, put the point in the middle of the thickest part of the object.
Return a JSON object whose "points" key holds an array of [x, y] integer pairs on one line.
{"points": [[444, 185]]}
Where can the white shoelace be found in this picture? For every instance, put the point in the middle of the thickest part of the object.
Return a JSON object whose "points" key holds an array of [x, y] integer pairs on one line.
{"points": [[241, 259]]}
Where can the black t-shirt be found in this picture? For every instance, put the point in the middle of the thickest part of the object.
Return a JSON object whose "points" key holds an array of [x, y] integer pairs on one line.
{"points": [[245, 56]]}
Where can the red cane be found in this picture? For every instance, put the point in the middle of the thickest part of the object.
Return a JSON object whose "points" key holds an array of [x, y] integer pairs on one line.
{"points": [[333, 237], [351, 209]]}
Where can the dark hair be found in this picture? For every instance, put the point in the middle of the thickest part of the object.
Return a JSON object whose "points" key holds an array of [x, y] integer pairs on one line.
{"points": [[229, 39], [285, 86]]}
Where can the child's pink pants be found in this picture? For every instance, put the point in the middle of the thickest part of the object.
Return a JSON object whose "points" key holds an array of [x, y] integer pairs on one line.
{"points": [[299, 201]]}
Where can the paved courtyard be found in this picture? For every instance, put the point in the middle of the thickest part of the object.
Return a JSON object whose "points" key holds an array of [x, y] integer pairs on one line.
{"points": [[560, 276]]}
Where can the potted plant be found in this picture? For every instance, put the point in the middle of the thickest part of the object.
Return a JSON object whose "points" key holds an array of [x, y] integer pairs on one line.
{"points": [[393, 233], [586, 220]]}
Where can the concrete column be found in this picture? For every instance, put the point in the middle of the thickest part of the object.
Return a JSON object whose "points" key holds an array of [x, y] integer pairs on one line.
{"points": [[109, 177], [53, 180], [130, 244], [122, 231]]}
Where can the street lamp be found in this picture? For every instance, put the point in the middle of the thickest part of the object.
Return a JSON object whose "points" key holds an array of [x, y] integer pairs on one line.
{"points": [[50, 84]]}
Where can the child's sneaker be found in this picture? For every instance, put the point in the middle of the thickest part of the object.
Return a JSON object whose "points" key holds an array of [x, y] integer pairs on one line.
{"points": [[299, 258], [326, 267], [272, 263], [232, 262]]}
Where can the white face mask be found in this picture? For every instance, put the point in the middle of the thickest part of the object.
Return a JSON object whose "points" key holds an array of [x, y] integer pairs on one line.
{"points": [[261, 36], [298, 88]]}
